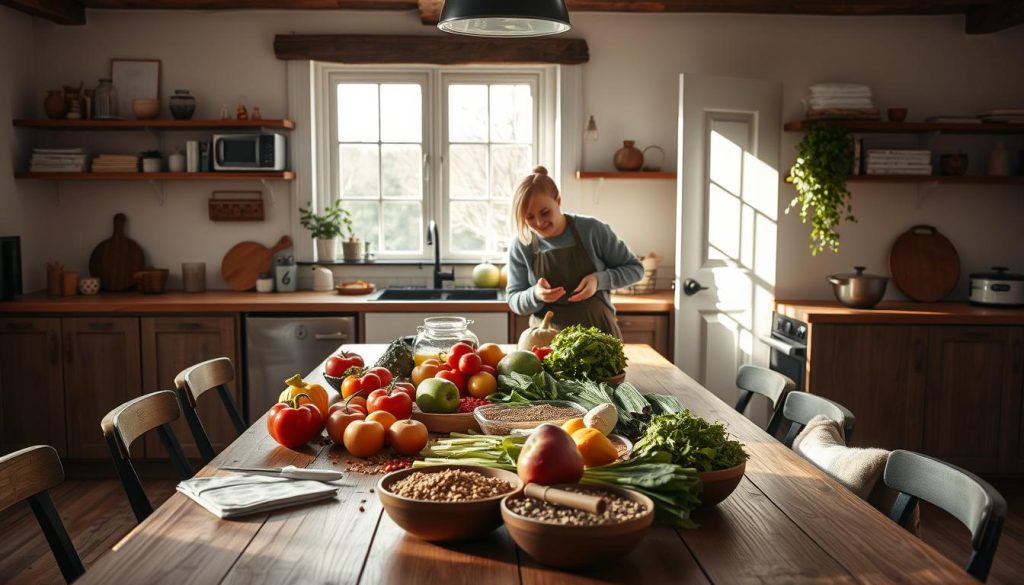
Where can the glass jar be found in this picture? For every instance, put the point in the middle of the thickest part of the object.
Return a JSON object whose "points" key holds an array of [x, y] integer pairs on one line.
{"points": [[437, 335], [104, 104]]}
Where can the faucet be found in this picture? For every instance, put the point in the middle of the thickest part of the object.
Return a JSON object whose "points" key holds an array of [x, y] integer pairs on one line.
{"points": [[433, 239]]}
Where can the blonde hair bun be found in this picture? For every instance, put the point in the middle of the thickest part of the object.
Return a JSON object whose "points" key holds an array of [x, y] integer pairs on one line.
{"points": [[540, 170]]}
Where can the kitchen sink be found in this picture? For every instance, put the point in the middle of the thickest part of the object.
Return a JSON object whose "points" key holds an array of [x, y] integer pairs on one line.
{"points": [[439, 294]]}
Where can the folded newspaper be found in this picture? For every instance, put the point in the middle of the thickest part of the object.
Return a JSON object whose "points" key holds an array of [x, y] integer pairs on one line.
{"points": [[240, 495]]}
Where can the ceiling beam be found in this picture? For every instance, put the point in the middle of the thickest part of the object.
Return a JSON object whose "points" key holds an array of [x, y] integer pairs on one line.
{"points": [[996, 17], [253, 4], [430, 11], [59, 11]]}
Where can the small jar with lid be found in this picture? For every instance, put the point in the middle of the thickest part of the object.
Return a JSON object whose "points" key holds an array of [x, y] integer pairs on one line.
{"points": [[104, 105], [437, 335]]}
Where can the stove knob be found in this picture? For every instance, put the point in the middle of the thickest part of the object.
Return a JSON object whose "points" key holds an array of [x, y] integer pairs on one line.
{"points": [[801, 332]]}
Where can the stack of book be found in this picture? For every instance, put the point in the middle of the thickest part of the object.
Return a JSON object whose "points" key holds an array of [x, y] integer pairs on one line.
{"points": [[116, 163], [58, 160], [1010, 116], [899, 162]]}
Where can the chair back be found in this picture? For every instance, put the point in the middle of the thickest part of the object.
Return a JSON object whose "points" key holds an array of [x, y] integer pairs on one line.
{"points": [[751, 379], [27, 475], [965, 496], [126, 423], [800, 407], [193, 382]]}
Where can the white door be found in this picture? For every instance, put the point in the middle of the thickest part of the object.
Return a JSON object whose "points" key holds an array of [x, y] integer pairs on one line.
{"points": [[727, 202]]}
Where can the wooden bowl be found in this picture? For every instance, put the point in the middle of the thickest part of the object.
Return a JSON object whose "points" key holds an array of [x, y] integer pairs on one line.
{"points": [[145, 108], [456, 422], [616, 379], [359, 287], [151, 280], [445, 521], [717, 485], [578, 546]]}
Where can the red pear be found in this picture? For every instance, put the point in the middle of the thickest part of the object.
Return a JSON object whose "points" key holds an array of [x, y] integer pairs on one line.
{"points": [[550, 456]]}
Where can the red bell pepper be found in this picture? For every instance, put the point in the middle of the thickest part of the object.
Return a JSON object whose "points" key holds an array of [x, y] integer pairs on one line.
{"points": [[541, 352], [293, 425]]}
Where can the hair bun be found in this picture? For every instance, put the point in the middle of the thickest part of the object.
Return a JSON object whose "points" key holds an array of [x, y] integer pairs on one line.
{"points": [[540, 170]]}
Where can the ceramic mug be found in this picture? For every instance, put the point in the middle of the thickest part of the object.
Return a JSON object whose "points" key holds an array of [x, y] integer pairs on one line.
{"points": [[89, 285], [265, 284]]}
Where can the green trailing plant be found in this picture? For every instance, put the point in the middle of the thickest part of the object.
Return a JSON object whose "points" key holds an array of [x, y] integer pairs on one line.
{"points": [[333, 222], [823, 162]]}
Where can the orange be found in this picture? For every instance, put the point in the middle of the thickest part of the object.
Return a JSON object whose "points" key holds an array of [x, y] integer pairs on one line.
{"points": [[385, 418], [481, 385], [363, 438], [491, 354], [595, 448], [573, 424], [424, 371]]}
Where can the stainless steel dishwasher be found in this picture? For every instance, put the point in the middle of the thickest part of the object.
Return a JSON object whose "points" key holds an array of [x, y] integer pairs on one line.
{"points": [[278, 347]]}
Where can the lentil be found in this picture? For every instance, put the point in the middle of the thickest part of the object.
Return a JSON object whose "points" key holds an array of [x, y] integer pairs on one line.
{"points": [[501, 419], [618, 510], [450, 485]]}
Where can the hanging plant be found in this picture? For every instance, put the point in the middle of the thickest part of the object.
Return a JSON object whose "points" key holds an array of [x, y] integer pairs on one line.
{"points": [[823, 162]]}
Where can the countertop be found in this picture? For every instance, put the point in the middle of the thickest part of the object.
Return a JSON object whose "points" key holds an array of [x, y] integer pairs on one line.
{"points": [[222, 301], [901, 312]]}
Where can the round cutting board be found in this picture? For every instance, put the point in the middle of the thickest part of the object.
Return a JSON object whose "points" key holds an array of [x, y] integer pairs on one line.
{"points": [[244, 262], [924, 264], [116, 258]]}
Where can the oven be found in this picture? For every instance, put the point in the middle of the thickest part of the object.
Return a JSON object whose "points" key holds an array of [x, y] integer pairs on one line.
{"points": [[788, 343]]}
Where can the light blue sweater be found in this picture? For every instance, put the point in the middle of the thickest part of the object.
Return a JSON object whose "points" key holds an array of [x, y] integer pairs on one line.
{"points": [[616, 265]]}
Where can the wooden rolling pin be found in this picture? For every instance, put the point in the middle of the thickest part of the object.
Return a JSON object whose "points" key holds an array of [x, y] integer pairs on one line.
{"points": [[587, 503]]}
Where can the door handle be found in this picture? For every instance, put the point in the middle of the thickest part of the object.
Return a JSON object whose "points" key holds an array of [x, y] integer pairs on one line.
{"points": [[328, 336], [190, 326], [101, 326], [54, 355], [692, 287]]}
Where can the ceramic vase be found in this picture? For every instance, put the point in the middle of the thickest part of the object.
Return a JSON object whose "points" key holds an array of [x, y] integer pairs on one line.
{"points": [[326, 250], [54, 104], [183, 104], [629, 157]]}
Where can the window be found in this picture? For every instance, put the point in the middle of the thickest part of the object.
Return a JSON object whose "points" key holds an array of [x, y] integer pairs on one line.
{"points": [[407, 146]]}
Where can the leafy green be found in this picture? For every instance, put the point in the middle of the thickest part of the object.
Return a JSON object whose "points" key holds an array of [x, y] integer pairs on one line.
{"points": [[585, 353], [519, 388], [691, 441], [634, 409], [823, 162]]}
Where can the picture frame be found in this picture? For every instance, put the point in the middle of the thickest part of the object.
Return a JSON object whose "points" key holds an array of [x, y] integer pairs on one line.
{"points": [[134, 78]]}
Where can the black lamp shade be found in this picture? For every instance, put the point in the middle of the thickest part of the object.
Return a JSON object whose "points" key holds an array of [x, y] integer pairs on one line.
{"points": [[504, 18]]}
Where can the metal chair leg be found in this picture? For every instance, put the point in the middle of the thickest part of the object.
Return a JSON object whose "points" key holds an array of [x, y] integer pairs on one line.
{"points": [[60, 543]]}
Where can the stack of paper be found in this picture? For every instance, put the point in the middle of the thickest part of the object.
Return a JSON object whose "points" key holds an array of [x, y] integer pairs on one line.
{"points": [[58, 160], [116, 163], [840, 100], [899, 162], [239, 495]]}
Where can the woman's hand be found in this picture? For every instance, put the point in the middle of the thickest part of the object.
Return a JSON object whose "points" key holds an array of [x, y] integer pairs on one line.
{"points": [[586, 288], [543, 291]]}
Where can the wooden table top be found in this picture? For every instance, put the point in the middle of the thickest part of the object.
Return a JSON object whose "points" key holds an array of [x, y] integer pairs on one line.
{"points": [[786, 522], [901, 313]]}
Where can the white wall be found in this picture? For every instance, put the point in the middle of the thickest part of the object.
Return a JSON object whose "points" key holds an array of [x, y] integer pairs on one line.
{"points": [[630, 85]]}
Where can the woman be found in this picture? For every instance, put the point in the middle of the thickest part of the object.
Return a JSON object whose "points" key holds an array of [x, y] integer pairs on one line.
{"points": [[564, 263]]}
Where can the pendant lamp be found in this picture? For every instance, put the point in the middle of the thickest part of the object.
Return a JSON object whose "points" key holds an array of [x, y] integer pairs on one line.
{"points": [[504, 18]]}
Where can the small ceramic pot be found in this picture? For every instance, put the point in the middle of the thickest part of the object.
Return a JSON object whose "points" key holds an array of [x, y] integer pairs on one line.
{"points": [[896, 114], [183, 105], [353, 251], [69, 283], [176, 162], [326, 250], [629, 157], [152, 165], [265, 284], [89, 285], [54, 104]]}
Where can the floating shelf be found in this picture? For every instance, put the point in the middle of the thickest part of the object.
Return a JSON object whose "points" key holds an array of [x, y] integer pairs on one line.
{"points": [[909, 127], [152, 124], [625, 175], [219, 176], [940, 179]]}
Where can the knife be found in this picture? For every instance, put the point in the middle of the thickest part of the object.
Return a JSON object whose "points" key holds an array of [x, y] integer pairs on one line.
{"points": [[291, 472]]}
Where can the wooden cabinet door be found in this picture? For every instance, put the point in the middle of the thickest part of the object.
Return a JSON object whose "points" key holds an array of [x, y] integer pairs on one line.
{"points": [[973, 402], [31, 385], [878, 372], [171, 344], [101, 371], [650, 329]]}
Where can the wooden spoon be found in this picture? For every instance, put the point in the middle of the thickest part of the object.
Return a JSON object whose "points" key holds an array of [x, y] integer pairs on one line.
{"points": [[585, 502]]}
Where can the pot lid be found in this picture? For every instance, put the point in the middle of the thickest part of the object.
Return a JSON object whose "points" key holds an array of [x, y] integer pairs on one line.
{"points": [[859, 275], [998, 273]]}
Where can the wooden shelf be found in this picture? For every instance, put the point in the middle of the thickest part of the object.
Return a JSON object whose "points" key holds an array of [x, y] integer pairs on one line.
{"points": [[940, 179], [153, 124], [625, 175], [909, 127], [218, 176]]}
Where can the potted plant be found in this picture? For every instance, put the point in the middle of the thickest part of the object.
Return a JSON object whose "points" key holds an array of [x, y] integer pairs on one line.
{"points": [[152, 161], [823, 162], [326, 227]]}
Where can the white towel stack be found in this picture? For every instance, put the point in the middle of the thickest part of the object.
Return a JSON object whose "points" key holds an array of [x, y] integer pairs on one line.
{"points": [[840, 100], [232, 496], [899, 162], [58, 160], [116, 163], [1010, 116]]}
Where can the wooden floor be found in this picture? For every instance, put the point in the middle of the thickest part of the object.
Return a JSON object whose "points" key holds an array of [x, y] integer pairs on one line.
{"points": [[97, 515]]}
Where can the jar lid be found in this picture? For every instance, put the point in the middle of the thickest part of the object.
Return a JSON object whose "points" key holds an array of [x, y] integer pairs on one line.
{"points": [[999, 273], [859, 274]]}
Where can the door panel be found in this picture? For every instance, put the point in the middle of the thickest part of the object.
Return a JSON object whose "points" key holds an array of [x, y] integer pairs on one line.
{"points": [[31, 385]]}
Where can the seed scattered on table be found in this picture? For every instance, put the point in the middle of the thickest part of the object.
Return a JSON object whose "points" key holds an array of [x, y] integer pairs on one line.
{"points": [[450, 485], [618, 510]]}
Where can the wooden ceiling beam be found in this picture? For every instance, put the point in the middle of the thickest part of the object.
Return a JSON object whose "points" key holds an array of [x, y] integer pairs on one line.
{"points": [[994, 18], [810, 7], [252, 4], [430, 11], [58, 11]]}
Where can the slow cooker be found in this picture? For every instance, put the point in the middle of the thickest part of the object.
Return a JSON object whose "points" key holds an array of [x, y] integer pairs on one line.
{"points": [[998, 287]]}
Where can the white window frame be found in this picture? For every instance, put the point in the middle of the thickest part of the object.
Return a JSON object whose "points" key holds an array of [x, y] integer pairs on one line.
{"points": [[543, 78]]}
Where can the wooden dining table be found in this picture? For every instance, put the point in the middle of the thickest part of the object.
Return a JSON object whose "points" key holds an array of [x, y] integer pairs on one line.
{"points": [[786, 522]]}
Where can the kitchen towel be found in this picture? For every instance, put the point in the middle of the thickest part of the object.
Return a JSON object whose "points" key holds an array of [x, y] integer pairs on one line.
{"points": [[231, 496]]}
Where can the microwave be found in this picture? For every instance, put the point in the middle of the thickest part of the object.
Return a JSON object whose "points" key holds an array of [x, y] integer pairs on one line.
{"points": [[249, 152]]}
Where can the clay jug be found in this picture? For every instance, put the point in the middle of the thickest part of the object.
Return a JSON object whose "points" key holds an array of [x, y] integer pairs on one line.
{"points": [[54, 104], [629, 157]]}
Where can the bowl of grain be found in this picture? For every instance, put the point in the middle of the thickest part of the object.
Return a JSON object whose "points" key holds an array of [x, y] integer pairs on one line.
{"points": [[568, 538], [502, 419], [447, 502]]}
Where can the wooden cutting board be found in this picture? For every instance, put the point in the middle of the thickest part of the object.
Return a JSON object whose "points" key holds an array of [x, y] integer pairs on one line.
{"points": [[116, 258], [924, 264], [244, 262]]}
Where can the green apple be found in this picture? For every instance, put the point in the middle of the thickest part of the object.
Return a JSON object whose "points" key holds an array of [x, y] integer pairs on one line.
{"points": [[437, 395], [486, 275], [523, 362]]}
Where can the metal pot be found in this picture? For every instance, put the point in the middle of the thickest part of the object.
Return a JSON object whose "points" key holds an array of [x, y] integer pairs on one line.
{"points": [[998, 287], [858, 290]]}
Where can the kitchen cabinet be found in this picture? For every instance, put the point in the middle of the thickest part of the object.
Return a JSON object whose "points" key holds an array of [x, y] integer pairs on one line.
{"points": [[653, 329], [171, 344], [31, 384]]}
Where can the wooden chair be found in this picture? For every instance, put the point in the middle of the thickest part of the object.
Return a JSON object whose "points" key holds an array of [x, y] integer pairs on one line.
{"points": [[968, 498], [800, 407], [751, 379], [26, 475], [192, 383], [130, 421]]}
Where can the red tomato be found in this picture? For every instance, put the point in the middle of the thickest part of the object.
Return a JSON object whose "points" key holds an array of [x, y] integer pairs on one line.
{"points": [[489, 369], [338, 421], [456, 352], [454, 377], [383, 373], [292, 426], [407, 388], [350, 386], [470, 363], [397, 403], [337, 364], [368, 383]]}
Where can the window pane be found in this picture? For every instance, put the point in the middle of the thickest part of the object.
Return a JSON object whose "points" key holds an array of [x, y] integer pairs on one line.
{"points": [[365, 220], [468, 169], [509, 165], [358, 171], [401, 171], [357, 112], [480, 226], [403, 226], [511, 113], [401, 113], [467, 113]]}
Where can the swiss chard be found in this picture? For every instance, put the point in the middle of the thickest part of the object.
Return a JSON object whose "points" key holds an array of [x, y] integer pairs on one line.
{"points": [[585, 353], [691, 441]]}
